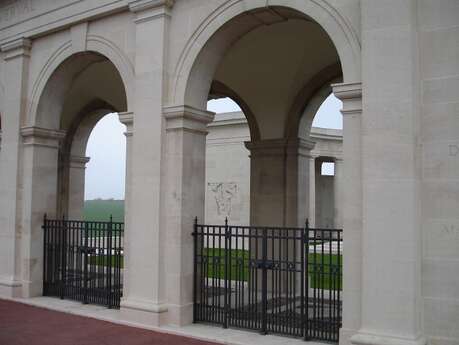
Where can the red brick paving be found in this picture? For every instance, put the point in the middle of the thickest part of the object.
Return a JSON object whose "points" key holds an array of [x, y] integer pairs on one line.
{"points": [[22, 324]]}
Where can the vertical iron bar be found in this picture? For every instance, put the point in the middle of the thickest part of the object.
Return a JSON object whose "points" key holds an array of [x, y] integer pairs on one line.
{"points": [[63, 261], [264, 291], [109, 263], [85, 263], [45, 256], [195, 269], [227, 253], [303, 277]]}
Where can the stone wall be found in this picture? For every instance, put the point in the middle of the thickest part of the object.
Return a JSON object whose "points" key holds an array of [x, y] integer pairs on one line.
{"points": [[228, 171]]}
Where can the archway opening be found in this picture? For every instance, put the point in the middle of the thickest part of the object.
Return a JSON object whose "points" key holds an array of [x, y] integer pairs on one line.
{"points": [[227, 164], [73, 108], [280, 64], [104, 185]]}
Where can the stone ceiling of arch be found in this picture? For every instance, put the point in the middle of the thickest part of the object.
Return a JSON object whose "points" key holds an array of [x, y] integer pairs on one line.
{"points": [[270, 65], [99, 81]]}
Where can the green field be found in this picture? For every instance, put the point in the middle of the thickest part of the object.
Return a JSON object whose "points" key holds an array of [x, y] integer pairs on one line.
{"points": [[319, 267], [102, 260], [100, 210]]}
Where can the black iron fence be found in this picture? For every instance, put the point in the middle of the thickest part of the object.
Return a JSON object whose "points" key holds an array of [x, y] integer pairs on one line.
{"points": [[83, 261], [271, 279]]}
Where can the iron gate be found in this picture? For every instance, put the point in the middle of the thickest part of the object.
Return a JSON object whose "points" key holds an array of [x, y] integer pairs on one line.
{"points": [[83, 261], [271, 279]]}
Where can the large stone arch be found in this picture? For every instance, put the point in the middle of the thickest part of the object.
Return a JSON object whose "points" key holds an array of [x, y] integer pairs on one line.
{"points": [[220, 89], [279, 164], [308, 101], [72, 159], [94, 44], [196, 66]]}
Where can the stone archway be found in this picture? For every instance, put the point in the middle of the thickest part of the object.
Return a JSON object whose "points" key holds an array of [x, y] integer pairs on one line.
{"points": [[81, 84], [202, 63]]}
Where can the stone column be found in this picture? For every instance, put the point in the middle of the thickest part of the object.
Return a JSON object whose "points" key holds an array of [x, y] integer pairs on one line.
{"points": [[77, 167], [279, 181], [127, 118], [39, 196], [298, 188], [338, 193], [279, 190], [351, 96], [17, 54], [312, 191], [267, 182], [185, 200], [145, 299]]}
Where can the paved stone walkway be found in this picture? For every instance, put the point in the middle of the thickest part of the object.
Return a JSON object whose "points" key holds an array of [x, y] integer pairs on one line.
{"points": [[22, 324]]}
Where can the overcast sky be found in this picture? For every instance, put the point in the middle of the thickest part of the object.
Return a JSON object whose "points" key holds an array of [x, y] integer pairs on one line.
{"points": [[105, 172]]}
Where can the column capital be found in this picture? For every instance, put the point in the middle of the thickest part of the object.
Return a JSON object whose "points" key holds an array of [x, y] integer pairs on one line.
{"points": [[302, 147], [351, 96], [78, 162], [146, 10], [127, 119], [184, 117], [37, 136], [16, 48], [280, 147]]}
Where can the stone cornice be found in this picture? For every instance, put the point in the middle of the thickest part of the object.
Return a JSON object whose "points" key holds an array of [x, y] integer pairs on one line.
{"points": [[351, 96], [344, 91], [187, 118], [147, 10], [127, 119], [16, 48], [42, 136], [280, 147], [142, 5], [79, 162]]}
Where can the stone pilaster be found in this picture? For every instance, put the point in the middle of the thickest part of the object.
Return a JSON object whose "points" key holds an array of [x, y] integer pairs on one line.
{"points": [[312, 191], [338, 193], [16, 56], [351, 96], [77, 167], [127, 118], [145, 300], [39, 196], [185, 199]]}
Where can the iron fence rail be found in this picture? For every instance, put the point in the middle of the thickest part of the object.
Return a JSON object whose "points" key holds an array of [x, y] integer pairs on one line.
{"points": [[270, 279], [83, 261]]}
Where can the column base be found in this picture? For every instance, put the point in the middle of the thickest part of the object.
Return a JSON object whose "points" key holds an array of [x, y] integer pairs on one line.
{"points": [[180, 315], [144, 312], [32, 289], [10, 288], [345, 335], [363, 338]]}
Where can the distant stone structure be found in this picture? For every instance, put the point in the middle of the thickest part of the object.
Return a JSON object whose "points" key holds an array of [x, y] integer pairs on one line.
{"points": [[228, 173]]}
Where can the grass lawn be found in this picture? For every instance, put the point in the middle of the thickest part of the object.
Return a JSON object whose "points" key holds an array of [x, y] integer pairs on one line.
{"points": [[321, 278], [240, 271], [216, 268], [100, 210], [102, 260]]}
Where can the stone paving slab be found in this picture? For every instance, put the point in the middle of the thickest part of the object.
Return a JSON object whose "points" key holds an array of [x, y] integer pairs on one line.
{"points": [[22, 324]]}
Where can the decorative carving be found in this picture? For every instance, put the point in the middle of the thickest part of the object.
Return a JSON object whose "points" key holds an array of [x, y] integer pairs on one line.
{"points": [[14, 8], [224, 193]]}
